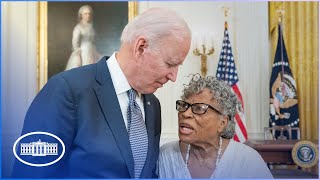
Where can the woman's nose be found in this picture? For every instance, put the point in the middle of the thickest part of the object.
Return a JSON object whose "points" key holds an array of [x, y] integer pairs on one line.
{"points": [[188, 113]]}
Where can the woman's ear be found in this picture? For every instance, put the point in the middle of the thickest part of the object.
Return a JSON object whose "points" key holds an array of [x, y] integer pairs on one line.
{"points": [[223, 123], [140, 46]]}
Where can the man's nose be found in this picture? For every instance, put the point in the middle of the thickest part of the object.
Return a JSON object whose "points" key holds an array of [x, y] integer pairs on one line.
{"points": [[172, 76]]}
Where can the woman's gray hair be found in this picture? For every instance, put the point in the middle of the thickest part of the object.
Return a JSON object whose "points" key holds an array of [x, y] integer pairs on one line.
{"points": [[225, 98], [156, 24], [81, 9]]}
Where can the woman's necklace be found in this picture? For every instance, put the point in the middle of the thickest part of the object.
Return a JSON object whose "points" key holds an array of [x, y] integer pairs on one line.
{"points": [[218, 157]]}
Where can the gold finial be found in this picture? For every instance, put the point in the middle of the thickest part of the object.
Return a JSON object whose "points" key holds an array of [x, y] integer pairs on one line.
{"points": [[280, 11], [280, 15], [226, 11]]}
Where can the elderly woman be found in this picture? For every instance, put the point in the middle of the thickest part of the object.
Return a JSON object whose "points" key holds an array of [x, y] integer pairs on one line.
{"points": [[84, 51], [206, 128]]}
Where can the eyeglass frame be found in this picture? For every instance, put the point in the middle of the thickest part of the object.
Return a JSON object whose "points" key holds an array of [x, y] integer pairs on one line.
{"points": [[191, 105]]}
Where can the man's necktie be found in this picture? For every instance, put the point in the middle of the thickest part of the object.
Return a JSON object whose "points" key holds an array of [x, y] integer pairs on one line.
{"points": [[137, 134]]}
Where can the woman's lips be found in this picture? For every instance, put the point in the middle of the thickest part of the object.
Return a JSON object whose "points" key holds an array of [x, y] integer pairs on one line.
{"points": [[185, 129]]}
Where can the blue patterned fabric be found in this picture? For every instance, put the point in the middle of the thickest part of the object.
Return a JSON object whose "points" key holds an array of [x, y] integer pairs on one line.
{"points": [[137, 134]]}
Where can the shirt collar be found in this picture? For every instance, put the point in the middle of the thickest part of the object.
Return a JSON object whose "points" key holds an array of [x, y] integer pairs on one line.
{"points": [[119, 80]]}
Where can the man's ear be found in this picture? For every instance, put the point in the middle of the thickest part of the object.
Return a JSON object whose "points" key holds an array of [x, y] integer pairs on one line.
{"points": [[140, 46]]}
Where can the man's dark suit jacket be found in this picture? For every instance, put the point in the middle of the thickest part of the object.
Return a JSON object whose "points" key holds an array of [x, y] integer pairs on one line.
{"points": [[80, 106]]}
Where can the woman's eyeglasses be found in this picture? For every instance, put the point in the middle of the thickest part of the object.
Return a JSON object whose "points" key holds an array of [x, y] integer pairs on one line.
{"points": [[197, 108]]}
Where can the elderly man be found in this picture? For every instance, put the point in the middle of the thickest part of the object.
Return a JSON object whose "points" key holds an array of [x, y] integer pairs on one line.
{"points": [[105, 113]]}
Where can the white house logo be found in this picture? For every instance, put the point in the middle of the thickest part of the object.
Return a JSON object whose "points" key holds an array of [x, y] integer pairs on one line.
{"points": [[38, 149], [305, 154]]}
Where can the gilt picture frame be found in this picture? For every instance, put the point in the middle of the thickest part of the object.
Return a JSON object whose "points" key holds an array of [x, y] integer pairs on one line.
{"points": [[56, 23]]}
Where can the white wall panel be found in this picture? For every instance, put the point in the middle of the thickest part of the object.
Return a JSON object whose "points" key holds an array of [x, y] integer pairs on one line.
{"points": [[252, 56], [18, 71]]}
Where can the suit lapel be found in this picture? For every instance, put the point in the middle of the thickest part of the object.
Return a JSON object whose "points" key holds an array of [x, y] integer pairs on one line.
{"points": [[149, 118], [111, 109]]}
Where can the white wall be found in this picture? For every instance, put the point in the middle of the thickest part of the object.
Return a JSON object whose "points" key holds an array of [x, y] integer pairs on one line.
{"points": [[248, 27], [18, 64]]}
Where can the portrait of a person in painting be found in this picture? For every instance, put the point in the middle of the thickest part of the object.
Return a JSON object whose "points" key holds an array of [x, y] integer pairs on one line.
{"points": [[83, 48]]}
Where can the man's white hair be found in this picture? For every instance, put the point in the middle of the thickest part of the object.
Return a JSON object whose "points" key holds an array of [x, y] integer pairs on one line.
{"points": [[156, 24]]}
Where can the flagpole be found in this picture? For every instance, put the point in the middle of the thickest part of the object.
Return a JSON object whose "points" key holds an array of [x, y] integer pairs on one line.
{"points": [[226, 11], [283, 89], [281, 12], [227, 72]]}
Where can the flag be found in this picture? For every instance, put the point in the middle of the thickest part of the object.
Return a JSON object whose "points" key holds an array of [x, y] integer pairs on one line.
{"points": [[228, 73], [283, 91]]}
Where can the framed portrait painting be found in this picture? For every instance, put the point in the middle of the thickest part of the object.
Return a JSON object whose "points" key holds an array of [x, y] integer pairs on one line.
{"points": [[72, 34]]}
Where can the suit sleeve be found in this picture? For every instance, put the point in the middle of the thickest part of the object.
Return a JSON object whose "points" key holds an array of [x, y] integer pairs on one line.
{"points": [[155, 174], [52, 111]]}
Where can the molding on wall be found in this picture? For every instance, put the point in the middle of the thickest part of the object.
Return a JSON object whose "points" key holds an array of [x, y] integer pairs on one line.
{"points": [[18, 72]]}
